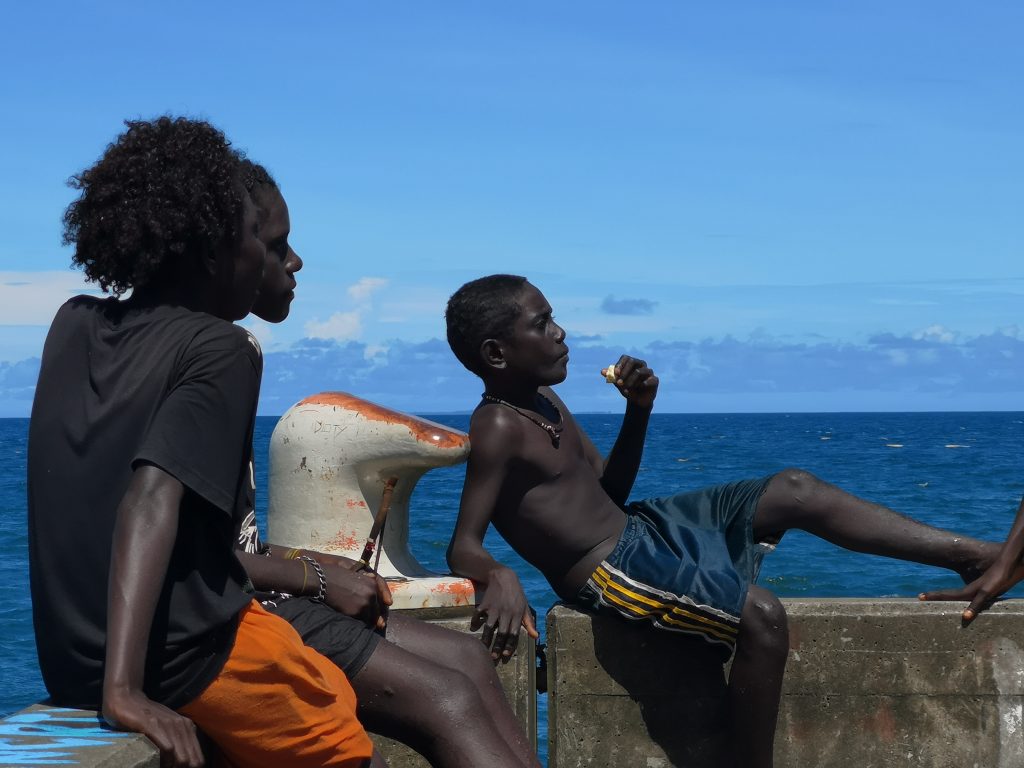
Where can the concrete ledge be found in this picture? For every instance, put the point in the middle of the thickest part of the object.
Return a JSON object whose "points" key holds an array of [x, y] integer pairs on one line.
{"points": [[621, 694], [42, 735], [869, 683], [898, 682]]}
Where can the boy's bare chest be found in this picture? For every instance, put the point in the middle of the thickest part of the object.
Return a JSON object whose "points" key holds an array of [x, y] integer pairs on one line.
{"points": [[543, 464], [546, 487]]}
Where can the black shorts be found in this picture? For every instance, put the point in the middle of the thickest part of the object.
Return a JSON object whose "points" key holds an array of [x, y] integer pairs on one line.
{"points": [[347, 642]]}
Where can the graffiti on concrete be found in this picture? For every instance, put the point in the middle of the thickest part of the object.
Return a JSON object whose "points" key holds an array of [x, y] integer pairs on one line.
{"points": [[53, 736]]}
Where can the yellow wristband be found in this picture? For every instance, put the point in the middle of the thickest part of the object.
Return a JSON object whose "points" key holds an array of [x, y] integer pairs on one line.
{"points": [[291, 554]]}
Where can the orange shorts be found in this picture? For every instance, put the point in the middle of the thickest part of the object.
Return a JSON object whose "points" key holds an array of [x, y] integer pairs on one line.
{"points": [[277, 702]]}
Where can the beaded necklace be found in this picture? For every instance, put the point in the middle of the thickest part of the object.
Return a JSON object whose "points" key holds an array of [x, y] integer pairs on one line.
{"points": [[554, 431]]}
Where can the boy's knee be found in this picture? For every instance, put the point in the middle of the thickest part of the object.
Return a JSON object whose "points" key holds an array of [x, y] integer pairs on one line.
{"points": [[763, 625], [473, 656], [458, 699], [798, 483]]}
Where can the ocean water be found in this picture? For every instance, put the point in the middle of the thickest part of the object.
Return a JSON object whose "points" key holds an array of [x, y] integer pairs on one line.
{"points": [[959, 471]]}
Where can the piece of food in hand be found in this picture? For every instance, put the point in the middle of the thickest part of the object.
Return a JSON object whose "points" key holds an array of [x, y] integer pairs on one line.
{"points": [[609, 374]]}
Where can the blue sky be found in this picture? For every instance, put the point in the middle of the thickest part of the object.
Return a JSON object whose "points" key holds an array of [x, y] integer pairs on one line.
{"points": [[782, 207]]}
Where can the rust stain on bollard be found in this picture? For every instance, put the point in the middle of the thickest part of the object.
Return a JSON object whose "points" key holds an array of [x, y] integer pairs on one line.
{"points": [[461, 591], [458, 588], [423, 430], [345, 540]]}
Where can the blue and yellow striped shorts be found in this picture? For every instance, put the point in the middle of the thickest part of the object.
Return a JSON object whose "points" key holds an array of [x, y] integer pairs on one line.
{"points": [[684, 562]]}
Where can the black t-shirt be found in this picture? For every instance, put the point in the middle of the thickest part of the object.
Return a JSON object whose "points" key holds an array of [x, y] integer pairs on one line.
{"points": [[119, 385]]}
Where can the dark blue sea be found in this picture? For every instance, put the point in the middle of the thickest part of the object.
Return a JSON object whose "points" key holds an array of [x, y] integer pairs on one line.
{"points": [[960, 471]]}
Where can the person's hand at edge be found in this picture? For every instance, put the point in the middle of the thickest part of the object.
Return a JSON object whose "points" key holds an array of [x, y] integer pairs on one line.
{"points": [[173, 734], [982, 592]]}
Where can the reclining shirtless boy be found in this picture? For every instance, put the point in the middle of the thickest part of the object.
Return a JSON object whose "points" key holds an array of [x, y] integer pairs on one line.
{"points": [[687, 562]]}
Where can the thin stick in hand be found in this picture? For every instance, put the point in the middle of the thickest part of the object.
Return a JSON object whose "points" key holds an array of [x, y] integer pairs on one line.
{"points": [[377, 529]]}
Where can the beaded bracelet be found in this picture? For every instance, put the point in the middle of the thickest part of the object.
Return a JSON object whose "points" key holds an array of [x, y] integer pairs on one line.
{"points": [[322, 591]]}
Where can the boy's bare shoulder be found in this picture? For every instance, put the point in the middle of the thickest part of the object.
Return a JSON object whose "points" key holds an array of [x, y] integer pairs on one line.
{"points": [[493, 423]]}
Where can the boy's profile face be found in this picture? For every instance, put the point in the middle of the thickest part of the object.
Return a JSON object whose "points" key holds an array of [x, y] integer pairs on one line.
{"points": [[536, 349], [276, 291], [240, 268]]}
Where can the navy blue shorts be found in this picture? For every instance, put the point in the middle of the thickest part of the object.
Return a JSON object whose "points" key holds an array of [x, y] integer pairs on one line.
{"points": [[684, 562]]}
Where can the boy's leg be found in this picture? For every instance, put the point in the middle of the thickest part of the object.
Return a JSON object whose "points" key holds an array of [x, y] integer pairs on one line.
{"points": [[797, 499], [465, 654], [755, 680], [277, 702], [437, 691]]}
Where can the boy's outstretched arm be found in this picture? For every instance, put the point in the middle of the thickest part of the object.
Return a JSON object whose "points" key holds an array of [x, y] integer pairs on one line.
{"points": [[144, 536], [503, 608], [1004, 573], [639, 386]]}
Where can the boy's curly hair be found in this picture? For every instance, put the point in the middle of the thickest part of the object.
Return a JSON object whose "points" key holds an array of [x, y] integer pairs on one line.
{"points": [[485, 308], [257, 181], [164, 190]]}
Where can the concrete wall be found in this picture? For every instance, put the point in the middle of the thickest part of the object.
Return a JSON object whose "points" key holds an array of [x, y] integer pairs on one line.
{"points": [[869, 683]]}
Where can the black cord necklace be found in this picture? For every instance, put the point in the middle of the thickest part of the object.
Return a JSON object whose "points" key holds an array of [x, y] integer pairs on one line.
{"points": [[554, 431]]}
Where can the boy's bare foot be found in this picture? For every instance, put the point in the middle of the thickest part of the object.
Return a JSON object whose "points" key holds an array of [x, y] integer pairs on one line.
{"points": [[977, 562]]}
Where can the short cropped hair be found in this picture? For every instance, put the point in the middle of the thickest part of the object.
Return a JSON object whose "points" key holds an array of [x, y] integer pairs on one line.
{"points": [[165, 190], [485, 308]]}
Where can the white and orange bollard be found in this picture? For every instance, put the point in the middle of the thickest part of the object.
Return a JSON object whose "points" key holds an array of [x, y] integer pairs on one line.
{"points": [[330, 456]]}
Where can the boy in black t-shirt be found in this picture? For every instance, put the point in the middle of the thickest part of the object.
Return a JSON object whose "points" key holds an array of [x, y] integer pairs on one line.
{"points": [[139, 457]]}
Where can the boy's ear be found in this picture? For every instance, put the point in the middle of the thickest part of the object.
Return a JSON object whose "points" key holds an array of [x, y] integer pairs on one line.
{"points": [[209, 262], [492, 353]]}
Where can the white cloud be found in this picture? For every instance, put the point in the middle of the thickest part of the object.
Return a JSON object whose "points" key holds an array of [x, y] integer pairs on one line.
{"points": [[341, 326], [935, 333], [365, 287], [348, 326], [32, 298]]}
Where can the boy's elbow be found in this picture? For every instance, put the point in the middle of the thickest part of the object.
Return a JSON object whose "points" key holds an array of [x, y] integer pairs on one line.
{"points": [[452, 557], [459, 559]]}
